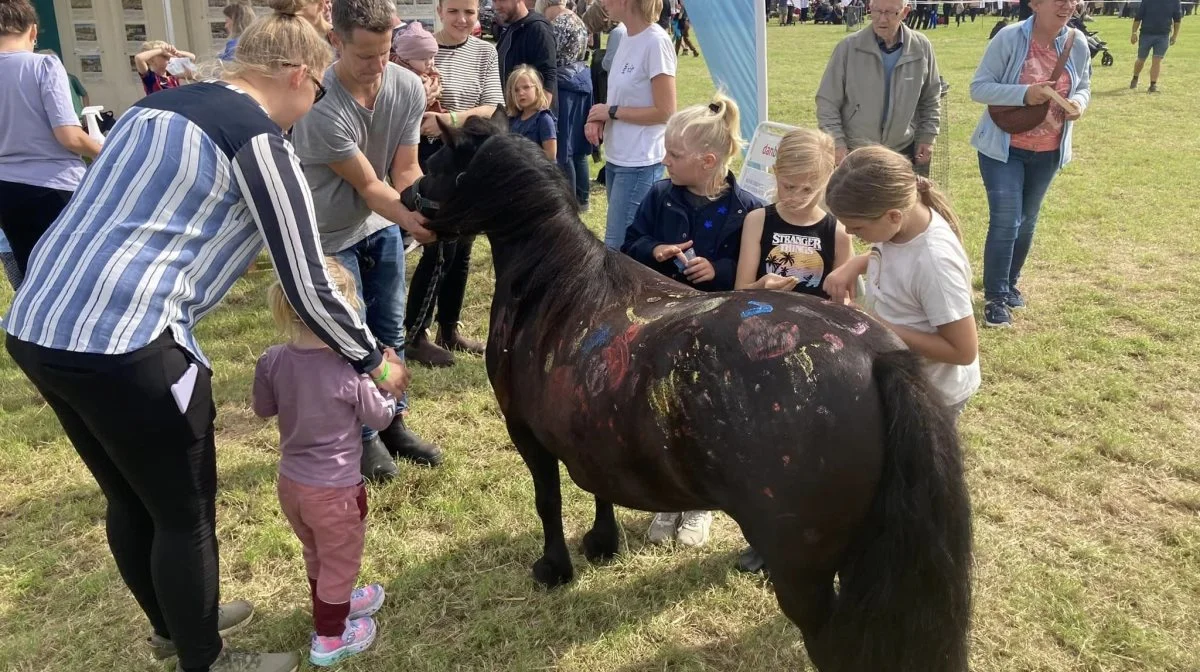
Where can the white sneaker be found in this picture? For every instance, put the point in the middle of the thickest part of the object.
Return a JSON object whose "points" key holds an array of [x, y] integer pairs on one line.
{"points": [[662, 528], [693, 531]]}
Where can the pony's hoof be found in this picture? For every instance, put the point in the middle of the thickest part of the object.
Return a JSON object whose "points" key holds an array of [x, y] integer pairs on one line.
{"points": [[550, 575], [599, 548]]}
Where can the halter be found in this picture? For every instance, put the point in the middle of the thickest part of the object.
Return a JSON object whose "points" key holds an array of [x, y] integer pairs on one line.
{"points": [[424, 203]]}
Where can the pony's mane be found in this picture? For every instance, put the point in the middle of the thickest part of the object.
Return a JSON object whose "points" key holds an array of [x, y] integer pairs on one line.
{"points": [[558, 268]]}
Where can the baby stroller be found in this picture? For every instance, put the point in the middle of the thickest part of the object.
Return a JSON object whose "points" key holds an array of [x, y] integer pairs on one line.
{"points": [[1095, 44]]}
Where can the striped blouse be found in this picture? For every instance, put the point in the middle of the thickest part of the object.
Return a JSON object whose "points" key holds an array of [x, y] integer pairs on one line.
{"points": [[470, 75], [191, 183]]}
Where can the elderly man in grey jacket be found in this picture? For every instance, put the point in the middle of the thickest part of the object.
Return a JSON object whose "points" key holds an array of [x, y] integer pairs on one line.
{"points": [[882, 87]]}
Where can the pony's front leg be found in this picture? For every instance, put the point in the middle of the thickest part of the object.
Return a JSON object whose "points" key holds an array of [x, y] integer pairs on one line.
{"points": [[554, 567], [601, 543]]}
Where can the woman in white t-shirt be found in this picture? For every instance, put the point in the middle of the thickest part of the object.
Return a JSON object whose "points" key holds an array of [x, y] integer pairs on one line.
{"points": [[918, 276], [633, 123]]}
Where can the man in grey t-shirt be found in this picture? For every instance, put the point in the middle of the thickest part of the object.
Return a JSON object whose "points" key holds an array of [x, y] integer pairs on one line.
{"points": [[364, 133]]}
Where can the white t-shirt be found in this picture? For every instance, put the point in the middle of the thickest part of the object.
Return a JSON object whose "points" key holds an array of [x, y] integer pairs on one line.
{"points": [[923, 284], [639, 59]]}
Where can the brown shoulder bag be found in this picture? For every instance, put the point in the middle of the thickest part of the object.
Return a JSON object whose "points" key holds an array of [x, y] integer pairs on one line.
{"points": [[1023, 118]]}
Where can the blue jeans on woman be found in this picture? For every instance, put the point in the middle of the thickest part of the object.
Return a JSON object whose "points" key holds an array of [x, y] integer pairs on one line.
{"points": [[1015, 190], [626, 188], [377, 264], [575, 167]]}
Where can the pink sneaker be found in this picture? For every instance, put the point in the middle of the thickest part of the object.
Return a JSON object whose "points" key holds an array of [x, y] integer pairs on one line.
{"points": [[366, 601], [358, 637]]}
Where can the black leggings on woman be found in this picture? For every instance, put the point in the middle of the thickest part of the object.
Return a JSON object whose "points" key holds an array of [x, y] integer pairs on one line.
{"points": [[26, 212], [441, 287], [156, 467]]}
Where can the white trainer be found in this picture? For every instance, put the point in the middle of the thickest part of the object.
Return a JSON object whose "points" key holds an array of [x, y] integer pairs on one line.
{"points": [[694, 529], [662, 528]]}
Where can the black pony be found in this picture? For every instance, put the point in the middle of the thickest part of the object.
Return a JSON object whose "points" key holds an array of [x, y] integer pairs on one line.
{"points": [[806, 422]]}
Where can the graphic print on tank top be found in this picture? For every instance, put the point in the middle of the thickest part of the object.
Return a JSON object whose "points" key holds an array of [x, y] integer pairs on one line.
{"points": [[802, 252], [796, 256]]}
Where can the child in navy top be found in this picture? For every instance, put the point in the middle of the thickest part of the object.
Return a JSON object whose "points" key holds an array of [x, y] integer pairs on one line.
{"points": [[793, 244], [528, 109], [689, 226]]}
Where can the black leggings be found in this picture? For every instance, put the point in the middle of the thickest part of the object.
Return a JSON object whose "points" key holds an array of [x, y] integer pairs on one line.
{"points": [[26, 212], [444, 290], [157, 469]]}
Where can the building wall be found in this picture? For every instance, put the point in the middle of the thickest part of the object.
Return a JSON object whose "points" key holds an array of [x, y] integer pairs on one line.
{"points": [[100, 37]]}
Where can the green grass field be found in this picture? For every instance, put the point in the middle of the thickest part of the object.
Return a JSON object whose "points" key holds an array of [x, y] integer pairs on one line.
{"points": [[1081, 449]]}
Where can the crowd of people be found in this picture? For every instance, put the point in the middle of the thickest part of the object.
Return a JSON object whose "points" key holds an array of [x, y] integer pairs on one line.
{"points": [[323, 113]]}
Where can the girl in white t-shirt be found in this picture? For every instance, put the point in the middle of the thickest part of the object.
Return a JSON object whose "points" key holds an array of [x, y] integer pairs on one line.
{"points": [[918, 276], [633, 123]]}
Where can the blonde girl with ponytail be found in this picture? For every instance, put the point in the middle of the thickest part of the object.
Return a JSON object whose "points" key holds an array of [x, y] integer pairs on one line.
{"points": [[918, 276], [794, 243], [689, 229]]}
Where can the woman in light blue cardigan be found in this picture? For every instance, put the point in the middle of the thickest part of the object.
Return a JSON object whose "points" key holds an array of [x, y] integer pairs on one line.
{"points": [[1017, 169]]}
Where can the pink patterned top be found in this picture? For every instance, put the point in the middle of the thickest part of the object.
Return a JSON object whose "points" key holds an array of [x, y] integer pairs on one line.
{"points": [[1048, 135]]}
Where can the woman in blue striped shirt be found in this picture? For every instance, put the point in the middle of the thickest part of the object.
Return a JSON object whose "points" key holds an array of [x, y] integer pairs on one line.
{"points": [[190, 185]]}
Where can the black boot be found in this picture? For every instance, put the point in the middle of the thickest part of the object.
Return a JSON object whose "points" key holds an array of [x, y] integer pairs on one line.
{"points": [[401, 442], [751, 562], [450, 338], [377, 466], [424, 351]]}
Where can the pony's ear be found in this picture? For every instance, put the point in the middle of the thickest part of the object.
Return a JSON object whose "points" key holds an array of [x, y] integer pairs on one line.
{"points": [[450, 135]]}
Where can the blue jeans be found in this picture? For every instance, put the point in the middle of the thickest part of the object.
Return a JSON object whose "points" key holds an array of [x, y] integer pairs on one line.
{"points": [[1015, 190], [626, 188], [377, 264], [576, 169]]}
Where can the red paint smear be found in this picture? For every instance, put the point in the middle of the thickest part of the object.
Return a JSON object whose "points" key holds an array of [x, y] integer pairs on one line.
{"points": [[833, 341], [787, 459], [768, 493], [777, 407], [761, 339], [616, 360]]}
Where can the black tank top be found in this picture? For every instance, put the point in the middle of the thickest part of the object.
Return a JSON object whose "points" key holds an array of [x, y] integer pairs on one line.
{"points": [[803, 252]]}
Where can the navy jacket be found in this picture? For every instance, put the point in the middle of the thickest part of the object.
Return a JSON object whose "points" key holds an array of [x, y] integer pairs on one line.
{"points": [[529, 41], [664, 217]]}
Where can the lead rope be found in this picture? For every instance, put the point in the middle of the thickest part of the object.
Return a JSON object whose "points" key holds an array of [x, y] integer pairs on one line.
{"points": [[427, 301]]}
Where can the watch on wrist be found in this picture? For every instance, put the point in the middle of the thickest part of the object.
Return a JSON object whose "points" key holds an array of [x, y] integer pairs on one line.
{"points": [[612, 112]]}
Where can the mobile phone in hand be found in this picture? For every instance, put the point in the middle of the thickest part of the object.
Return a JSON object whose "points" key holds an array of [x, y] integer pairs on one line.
{"points": [[690, 254]]}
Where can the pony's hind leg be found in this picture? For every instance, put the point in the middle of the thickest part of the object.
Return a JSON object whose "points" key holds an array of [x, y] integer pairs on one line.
{"points": [[601, 542], [554, 567], [806, 598]]}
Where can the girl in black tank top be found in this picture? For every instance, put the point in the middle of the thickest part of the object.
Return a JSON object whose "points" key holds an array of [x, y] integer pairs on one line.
{"points": [[805, 253], [794, 244]]}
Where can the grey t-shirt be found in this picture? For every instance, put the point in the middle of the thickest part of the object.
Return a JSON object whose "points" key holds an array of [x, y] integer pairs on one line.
{"points": [[337, 129]]}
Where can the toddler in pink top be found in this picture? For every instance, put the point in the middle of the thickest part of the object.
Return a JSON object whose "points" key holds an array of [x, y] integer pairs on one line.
{"points": [[322, 402]]}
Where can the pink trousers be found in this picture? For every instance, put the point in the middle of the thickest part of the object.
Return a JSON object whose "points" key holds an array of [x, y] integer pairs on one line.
{"points": [[331, 523]]}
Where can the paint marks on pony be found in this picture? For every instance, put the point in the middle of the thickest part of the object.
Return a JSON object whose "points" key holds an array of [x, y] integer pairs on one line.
{"points": [[635, 318], [708, 305], [757, 308], [664, 397], [801, 362], [833, 341], [596, 338], [768, 493], [859, 328], [762, 339]]}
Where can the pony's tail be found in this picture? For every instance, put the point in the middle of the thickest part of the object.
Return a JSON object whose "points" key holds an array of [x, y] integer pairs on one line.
{"points": [[904, 602]]}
